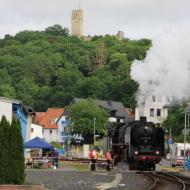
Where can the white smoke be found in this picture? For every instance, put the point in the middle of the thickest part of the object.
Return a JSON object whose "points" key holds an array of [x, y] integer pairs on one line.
{"points": [[166, 69]]}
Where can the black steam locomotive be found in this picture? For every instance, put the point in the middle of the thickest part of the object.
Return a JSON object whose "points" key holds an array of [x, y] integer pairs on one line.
{"points": [[140, 143]]}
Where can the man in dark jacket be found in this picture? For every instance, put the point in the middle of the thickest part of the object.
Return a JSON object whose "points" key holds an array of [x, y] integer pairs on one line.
{"points": [[55, 158]]}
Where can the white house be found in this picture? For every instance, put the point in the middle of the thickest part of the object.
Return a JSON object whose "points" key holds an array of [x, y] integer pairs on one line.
{"points": [[50, 135], [153, 108], [6, 107], [36, 131], [48, 120]]}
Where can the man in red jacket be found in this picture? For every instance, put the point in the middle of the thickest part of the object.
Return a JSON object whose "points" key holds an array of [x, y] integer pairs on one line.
{"points": [[109, 160], [93, 157]]}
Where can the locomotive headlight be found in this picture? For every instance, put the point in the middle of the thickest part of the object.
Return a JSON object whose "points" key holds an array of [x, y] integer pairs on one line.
{"points": [[136, 153], [157, 152]]}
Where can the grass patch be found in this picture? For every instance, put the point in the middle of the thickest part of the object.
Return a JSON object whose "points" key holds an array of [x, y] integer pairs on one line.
{"points": [[81, 167], [74, 166], [169, 169]]}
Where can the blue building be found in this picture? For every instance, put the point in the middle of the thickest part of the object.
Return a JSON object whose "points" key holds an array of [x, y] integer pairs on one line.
{"points": [[10, 108]]}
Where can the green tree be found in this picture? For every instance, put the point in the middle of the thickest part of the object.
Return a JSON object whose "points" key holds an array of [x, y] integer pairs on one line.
{"points": [[5, 169], [16, 153], [117, 59], [7, 90], [124, 91], [44, 68], [91, 87], [57, 30], [175, 122], [82, 116]]}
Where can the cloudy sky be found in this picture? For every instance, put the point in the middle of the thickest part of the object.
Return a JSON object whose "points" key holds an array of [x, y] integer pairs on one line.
{"points": [[137, 18]]}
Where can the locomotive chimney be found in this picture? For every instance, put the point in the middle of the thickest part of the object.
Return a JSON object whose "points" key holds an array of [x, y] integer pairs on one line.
{"points": [[143, 119]]}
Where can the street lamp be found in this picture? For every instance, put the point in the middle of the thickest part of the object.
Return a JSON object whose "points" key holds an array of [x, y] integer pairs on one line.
{"points": [[94, 130], [184, 152], [68, 140]]}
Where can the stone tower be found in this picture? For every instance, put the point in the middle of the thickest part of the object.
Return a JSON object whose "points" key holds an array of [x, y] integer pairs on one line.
{"points": [[120, 35], [77, 23]]}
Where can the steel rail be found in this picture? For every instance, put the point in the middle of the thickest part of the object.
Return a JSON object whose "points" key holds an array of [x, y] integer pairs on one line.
{"points": [[173, 178], [151, 177], [154, 179], [180, 179], [186, 179], [183, 181]]}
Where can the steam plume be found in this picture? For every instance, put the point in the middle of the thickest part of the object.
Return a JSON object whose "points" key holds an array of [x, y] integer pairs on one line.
{"points": [[166, 69]]}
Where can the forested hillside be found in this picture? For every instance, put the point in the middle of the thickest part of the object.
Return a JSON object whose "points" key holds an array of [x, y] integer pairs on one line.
{"points": [[48, 68]]}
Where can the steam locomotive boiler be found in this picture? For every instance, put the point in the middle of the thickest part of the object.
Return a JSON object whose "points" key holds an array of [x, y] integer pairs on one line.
{"points": [[140, 143]]}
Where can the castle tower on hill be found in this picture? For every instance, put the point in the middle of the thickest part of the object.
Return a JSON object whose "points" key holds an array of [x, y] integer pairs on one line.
{"points": [[77, 23]]}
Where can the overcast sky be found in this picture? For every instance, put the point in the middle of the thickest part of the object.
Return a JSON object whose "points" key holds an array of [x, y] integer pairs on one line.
{"points": [[137, 18]]}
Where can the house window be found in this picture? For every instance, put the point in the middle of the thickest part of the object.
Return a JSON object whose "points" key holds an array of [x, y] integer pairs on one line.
{"points": [[151, 112], [50, 131], [158, 112], [32, 130], [42, 131], [154, 98], [65, 122], [62, 133]]}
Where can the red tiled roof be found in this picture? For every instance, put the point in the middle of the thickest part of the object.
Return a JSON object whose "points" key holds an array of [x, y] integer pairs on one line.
{"points": [[48, 119], [39, 116]]}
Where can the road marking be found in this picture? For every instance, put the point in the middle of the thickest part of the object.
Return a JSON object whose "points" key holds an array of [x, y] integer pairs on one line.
{"points": [[114, 183]]}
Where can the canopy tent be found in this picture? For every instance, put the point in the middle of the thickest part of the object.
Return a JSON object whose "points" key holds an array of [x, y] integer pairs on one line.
{"points": [[38, 143]]}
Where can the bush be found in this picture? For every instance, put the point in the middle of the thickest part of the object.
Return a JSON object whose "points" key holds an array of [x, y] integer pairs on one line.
{"points": [[5, 169], [12, 153]]}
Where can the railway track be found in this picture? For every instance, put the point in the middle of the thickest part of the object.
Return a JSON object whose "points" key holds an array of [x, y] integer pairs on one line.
{"points": [[167, 181]]}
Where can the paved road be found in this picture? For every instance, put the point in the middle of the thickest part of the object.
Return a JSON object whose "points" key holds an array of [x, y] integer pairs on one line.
{"points": [[84, 180]]}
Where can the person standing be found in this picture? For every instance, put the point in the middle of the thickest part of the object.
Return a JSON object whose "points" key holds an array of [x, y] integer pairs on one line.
{"points": [[77, 151], [55, 158], [93, 157], [108, 160]]}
